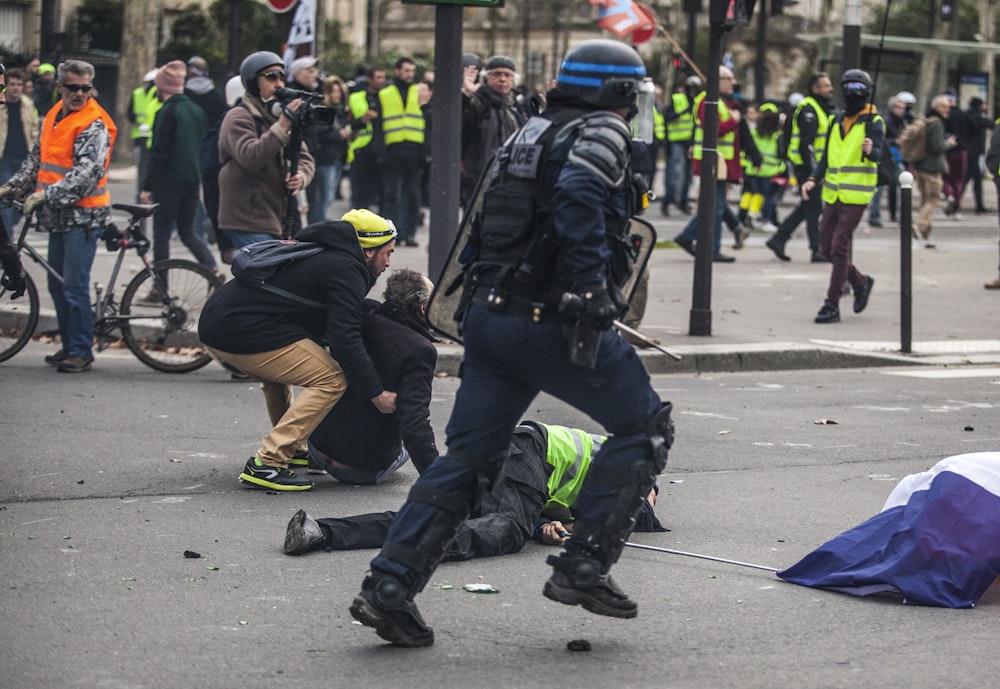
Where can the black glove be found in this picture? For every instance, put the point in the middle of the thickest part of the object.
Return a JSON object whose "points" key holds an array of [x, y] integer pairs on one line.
{"points": [[13, 277], [598, 309]]}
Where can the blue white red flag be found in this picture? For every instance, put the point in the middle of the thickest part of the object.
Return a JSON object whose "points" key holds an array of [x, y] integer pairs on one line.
{"points": [[626, 18], [936, 541]]}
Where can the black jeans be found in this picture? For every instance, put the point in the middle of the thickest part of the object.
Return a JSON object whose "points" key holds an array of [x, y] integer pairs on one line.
{"points": [[178, 207]]}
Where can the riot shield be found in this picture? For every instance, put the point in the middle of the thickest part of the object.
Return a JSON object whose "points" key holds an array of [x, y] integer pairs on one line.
{"points": [[447, 294]]}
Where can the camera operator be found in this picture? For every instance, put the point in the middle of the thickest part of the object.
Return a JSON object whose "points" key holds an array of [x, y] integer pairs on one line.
{"points": [[257, 181]]}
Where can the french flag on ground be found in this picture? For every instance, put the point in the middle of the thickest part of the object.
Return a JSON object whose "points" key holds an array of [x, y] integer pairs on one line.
{"points": [[936, 540]]}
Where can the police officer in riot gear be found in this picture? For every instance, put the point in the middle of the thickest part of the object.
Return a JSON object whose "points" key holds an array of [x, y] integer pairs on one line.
{"points": [[552, 233]]}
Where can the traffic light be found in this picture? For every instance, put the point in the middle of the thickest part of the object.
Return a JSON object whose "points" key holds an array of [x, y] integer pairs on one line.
{"points": [[739, 12], [679, 62], [947, 10]]}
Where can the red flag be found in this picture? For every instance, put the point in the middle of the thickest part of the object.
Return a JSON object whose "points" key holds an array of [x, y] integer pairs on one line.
{"points": [[626, 18]]}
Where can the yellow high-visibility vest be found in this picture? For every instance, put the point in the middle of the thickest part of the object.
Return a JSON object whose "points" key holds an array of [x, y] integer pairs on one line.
{"points": [[401, 121]]}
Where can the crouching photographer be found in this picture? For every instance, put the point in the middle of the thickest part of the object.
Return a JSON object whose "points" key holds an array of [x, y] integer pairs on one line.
{"points": [[261, 169]]}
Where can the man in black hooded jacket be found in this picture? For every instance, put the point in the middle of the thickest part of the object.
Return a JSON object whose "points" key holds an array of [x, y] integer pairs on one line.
{"points": [[304, 331], [355, 443]]}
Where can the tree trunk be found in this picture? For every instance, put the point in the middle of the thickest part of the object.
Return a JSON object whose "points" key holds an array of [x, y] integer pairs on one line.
{"points": [[140, 25]]}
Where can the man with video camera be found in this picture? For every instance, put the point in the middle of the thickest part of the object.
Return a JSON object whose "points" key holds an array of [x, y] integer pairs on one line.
{"points": [[257, 182]]}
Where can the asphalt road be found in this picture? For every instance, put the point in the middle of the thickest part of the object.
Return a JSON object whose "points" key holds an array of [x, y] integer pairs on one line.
{"points": [[107, 478]]}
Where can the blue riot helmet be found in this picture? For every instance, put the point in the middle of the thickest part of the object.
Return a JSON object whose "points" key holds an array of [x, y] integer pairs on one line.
{"points": [[601, 72]]}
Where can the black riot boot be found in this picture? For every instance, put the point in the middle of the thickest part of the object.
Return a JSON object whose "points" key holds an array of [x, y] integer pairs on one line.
{"points": [[386, 604], [578, 579], [303, 534]]}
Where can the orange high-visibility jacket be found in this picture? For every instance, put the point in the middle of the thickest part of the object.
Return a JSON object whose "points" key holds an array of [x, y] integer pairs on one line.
{"points": [[56, 149]]}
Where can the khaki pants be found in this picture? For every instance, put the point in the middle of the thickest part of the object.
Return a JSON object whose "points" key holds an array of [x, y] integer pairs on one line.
{"points": [[307, 365], [929, 186]]}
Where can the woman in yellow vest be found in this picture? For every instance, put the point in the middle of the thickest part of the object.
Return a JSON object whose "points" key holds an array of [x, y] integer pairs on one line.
{"points": [[849, 174]]}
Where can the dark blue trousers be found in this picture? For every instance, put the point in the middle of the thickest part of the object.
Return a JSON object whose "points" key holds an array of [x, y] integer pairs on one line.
{"points": [[508, 361]]}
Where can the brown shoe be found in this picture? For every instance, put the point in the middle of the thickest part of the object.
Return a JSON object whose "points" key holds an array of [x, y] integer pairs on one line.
{"points": [[993, 285]]}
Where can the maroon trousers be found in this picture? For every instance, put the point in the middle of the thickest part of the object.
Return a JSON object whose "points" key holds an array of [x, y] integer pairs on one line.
{"points": [[836, 232]]}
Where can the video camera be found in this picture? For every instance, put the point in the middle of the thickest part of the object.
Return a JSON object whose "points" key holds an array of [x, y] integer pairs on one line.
{"points": [[310, 112]]}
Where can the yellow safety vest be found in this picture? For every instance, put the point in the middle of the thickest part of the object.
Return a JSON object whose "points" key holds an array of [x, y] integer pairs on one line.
{"points": [[659, 125], [358, 102], [401, 121], [823, 121], [680, 129], [569, 451], [145, 104], [850, 177], [771, 164], [726, 143]]}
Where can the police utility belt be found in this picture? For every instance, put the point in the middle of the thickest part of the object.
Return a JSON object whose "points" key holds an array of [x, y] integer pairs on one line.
{"points": [[513, 304]]}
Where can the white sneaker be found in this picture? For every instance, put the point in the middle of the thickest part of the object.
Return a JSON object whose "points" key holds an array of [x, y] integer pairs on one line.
{"points": [[769, 227], [956, 216]]}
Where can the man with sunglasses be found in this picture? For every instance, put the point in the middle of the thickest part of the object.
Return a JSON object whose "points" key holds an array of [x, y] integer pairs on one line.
{"points": [[66, 176], [848, 171], [256, 183]]}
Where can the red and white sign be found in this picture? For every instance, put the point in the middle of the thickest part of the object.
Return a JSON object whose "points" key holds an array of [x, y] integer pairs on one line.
{"points": [[281, 6]]}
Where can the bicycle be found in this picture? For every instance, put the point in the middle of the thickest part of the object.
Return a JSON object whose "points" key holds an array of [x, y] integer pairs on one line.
{"points": [[158, 312]]}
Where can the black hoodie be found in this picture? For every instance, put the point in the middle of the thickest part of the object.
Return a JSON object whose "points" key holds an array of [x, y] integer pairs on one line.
{"points": [[242, 319]]}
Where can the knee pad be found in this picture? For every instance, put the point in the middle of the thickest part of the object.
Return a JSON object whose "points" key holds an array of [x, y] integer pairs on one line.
{"points": [[660, 431], [449, 511]]}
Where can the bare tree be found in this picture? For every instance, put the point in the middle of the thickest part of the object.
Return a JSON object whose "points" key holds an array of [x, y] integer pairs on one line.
{"points": [[139, 41]]}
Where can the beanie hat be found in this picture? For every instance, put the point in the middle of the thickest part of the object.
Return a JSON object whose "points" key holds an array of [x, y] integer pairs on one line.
{"points": [[373, 230], [45, 68], [500, 62], [170, 78]]}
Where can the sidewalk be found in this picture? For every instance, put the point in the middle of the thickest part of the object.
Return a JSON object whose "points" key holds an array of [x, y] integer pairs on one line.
{"points": [[762, 309]]}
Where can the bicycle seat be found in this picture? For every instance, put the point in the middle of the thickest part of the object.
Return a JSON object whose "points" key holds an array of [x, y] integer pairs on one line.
{"points": [[138, 210]]}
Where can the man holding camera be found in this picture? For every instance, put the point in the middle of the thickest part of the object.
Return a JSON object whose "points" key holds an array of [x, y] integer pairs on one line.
{"points": [[256, 183]]}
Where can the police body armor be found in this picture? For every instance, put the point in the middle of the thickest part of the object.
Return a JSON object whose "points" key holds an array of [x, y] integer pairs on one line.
{"points": [[513, 251]]}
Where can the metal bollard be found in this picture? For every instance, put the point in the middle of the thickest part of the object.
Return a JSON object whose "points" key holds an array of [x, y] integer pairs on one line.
{"points": [[906, 262]]}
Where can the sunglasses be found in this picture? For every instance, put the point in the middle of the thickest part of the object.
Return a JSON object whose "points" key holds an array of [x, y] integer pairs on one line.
{"points": [[73, 88], [274, 74]]}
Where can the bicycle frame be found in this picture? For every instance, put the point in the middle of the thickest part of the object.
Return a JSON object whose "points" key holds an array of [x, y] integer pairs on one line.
{"points": [[105, 308]]}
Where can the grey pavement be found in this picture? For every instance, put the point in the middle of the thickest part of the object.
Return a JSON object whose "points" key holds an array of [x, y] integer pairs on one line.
{"points": [[107, 478], [763, 309]]}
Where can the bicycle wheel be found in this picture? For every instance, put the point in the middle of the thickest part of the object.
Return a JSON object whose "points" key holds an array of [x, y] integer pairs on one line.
{"points": [[160, 312], [18, 319]]}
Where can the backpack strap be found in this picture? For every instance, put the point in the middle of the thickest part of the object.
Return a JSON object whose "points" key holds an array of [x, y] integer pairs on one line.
{"points": [[289, 295]]}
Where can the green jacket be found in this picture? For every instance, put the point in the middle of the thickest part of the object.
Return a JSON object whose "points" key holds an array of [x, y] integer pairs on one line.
{"points": [[176, 150]]}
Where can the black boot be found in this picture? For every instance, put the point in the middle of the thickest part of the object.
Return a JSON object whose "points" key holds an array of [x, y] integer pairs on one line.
{"points": [[828, 313], [578, 580], [303, 534], [386, 604]]}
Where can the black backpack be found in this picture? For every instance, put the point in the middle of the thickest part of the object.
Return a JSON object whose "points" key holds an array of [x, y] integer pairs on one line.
{"points": [[257, 263]]}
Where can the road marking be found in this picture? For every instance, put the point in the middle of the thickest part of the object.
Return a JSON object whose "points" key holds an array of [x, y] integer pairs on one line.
{"points": [[970, 372]]}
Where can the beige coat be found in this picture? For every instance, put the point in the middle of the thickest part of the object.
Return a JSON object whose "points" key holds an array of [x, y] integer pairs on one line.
{"points": [[29, 119]]}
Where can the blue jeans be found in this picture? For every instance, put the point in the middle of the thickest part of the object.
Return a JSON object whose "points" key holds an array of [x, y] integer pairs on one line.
{"points": [[72, 254], [242, 239], [690, 231], [326, 181], [508, 361]]}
